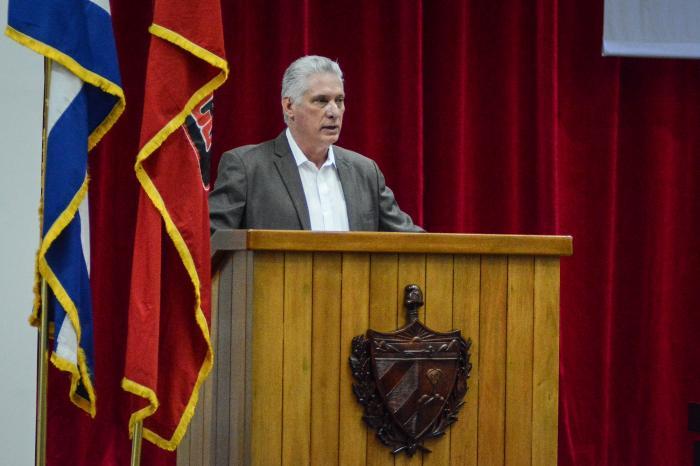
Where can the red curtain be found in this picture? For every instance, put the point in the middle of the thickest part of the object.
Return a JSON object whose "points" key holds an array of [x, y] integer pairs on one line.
{"points": [[497, 117]]}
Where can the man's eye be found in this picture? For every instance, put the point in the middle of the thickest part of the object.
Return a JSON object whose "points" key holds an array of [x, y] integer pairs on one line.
{"points": [[340, 102]]}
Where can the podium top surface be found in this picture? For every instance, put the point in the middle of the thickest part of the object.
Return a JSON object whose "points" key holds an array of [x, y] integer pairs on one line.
{"points": [[384, 242]]}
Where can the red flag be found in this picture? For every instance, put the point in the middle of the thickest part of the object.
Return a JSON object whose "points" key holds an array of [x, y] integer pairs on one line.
{"points": [[168, 349]]}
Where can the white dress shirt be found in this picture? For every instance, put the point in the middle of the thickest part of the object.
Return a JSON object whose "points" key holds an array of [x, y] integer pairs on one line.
{"points": [[323, 191]]}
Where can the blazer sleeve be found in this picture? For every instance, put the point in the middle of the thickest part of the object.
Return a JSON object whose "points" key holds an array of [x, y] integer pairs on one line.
{"points": [[391, 217], [227, 201]]}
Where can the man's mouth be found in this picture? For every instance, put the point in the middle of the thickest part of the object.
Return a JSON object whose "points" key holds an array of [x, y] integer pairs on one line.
{"points": [[329, 128]]}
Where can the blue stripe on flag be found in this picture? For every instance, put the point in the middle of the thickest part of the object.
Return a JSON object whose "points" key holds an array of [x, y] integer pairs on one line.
{"points": [[79, 29], [85, 101]]}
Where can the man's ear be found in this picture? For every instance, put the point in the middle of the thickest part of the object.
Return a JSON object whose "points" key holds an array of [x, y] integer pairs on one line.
{"points": [[287, 107]]}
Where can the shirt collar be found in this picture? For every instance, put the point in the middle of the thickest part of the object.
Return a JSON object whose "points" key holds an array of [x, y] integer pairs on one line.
{"points": [[299, 156]]}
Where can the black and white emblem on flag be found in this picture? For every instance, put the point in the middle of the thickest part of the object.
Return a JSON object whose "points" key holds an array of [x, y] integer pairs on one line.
{"points": [[198, 128]]}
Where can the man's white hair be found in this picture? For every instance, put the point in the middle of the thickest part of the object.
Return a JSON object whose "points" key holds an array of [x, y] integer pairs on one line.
{"points": [[295, 81]]}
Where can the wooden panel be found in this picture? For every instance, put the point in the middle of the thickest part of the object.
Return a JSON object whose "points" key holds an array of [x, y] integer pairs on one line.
{"points": [[383, 292], [519, 361], [250, 258], [546, 362], [204, 415], [384, 242], [492, 360], [183, 449], [355, 321], [296, 416], [196, 430], [439, 289], [382, 317], [411, 271], [268, 294], [325, 361], [221, 299], [206, 403], [207, 395], [189, 453], [237, 386], [465, 316]]}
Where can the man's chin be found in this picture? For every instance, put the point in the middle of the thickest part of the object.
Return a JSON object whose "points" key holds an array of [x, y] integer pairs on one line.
{"points": [[331, 137]]}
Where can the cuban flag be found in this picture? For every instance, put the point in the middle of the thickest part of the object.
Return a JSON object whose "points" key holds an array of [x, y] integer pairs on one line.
{"points": [[85, 99]]}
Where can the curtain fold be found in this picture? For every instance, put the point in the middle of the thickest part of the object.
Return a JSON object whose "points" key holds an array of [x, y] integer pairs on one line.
{"points": [[486, 117]]}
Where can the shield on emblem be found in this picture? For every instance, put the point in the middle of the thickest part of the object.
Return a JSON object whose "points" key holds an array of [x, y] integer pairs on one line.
{"points": [[411, 381], [415, 371]]}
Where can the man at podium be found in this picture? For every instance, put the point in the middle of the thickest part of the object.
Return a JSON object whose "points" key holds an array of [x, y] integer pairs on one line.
{"points": [[301, 180]]}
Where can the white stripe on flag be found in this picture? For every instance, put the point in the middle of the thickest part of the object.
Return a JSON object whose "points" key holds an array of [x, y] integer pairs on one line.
{"points": [[65, 86], [104, 4], [84, 215], [67, 342]]}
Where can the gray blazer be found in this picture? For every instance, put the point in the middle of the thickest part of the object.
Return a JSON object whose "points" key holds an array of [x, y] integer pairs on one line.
{"points": [[258, 186]]}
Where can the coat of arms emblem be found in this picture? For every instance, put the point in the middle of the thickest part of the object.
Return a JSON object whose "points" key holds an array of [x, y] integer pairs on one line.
{"points": [[411, 381]]}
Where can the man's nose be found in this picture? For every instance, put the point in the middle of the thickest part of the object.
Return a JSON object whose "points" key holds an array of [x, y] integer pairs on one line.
{"points": [[332, 109]]}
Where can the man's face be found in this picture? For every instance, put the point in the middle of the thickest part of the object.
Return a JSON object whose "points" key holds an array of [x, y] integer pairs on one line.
{"points": [[315, 119]]}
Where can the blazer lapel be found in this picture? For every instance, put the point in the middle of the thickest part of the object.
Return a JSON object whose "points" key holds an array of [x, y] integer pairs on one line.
{"points": [[350, 183], [287, 168]]}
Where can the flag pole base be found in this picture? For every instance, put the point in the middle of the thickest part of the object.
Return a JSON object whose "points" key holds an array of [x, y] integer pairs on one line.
{"points": [[43, 368], [136, 444]]}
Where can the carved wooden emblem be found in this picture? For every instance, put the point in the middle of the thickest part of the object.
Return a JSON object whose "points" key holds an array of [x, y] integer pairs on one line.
{"points": [[411, 381]]}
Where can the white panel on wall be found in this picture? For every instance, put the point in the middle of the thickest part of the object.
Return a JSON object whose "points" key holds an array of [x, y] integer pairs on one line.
{"points": [[652, 28], [21, 90]]}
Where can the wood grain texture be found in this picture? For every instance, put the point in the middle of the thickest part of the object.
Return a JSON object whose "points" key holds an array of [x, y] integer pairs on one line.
{"points": [[383, 292], [354, 302], [492, 360], [206, 403], [382, 317], [519, 361], [208, 392], [202, 451], [196, 430], [384, 242], [545, 401], [183, 450], [237, 386], [268, 335], [465, 316], [439, 288], [325, 360], [217, 384], [249, 347], [296, 415]]}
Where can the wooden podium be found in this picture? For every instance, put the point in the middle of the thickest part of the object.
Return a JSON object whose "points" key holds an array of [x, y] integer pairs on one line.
{"points": [[286, 305]]}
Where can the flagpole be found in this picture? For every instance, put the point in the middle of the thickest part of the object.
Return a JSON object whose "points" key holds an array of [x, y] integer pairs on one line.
{"points": [[136, 444], [43, 362], [43, 356]]}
